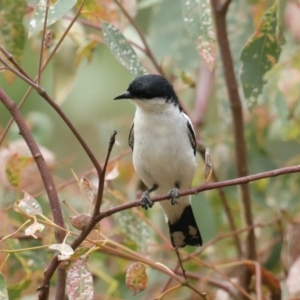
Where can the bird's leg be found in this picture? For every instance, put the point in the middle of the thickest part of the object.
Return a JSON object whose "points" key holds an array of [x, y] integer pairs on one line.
{"points": [[146, 201], [173, 194]]}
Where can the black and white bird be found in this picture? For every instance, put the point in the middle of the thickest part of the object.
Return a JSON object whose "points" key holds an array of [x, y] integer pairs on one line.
{"points": [[163, 142]]}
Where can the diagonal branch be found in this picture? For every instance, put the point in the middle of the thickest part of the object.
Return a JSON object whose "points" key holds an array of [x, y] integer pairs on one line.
{"points": [[40, 162]]}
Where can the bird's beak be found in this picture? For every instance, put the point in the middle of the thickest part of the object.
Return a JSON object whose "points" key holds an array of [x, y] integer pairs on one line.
{"points": [[125, 95]]}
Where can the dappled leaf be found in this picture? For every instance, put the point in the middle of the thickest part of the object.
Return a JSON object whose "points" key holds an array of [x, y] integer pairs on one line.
{"points": [[122, 50], [134, 228], [25, 177], [55, 12], [136, 277], [12, 33], [77, 254], [197, 17], [14, 167], [79, 281], [260, 54], [30, 205], [3, 288], [15, 290], [87, 188]]}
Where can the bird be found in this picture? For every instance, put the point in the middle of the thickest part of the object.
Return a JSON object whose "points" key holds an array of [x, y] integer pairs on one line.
{"points": [[163, 142]]}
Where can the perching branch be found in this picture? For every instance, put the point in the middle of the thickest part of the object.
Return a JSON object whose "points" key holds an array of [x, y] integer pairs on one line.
{"points": [[206, 187]]}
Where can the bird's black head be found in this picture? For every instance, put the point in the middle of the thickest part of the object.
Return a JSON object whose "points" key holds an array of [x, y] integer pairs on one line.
{"points": [[148, 87]]}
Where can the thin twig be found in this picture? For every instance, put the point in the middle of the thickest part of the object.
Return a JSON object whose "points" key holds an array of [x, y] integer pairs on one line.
{"points": [[168, 282], [11, 58], [39, 72], [102, 176], [224, 285], [180, 262], [227, 235], [141, 35], [7, 127]]}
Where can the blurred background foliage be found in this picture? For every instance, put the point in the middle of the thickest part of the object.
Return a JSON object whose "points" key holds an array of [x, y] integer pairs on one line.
{"points": [[84, 76]]}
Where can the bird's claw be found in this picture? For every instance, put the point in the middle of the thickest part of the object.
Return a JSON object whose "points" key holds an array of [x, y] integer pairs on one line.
{"points": [[174, 195], [146, 201]]}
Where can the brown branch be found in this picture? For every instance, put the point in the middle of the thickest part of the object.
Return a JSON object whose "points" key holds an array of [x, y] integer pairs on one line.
{"points": [[44, 288], [44, 172], [40, 162], [11, 58], [102, 176], [205, 187], [238, 128]]}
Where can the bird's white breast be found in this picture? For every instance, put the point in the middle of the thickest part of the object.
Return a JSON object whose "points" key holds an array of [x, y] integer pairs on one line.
{"points": [[162, 152]]}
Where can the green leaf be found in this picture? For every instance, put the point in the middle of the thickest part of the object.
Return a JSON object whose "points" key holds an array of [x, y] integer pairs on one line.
{"points": [[3, 288], [122, 49], [147, 3], [260, 54], [14, 167], [55, 12], [12, 33], [168, 38], [198, 21], [15, 290]]}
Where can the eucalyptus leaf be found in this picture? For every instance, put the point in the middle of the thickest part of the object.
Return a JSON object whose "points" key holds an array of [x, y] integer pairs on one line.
{"points": [[260, 54], [3, 288], [122, 50], [12, 32], [197, 17], [55, 12], [79, 281]]}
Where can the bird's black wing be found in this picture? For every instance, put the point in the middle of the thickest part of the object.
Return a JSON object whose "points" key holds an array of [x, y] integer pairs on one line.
{"points": [[131, 137], [191, 131]]}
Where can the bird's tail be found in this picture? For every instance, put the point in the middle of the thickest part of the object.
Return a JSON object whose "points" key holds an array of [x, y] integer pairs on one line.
{"points": [[185, 231]]}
